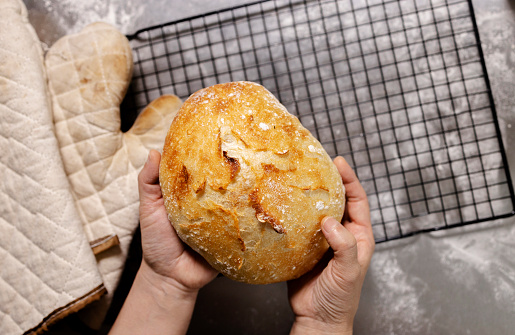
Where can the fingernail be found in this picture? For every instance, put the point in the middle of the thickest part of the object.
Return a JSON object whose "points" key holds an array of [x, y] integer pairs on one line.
{"points": [[329, 224]]}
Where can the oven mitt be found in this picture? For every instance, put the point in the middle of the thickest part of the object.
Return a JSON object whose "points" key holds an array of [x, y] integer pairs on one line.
{"points": [[47, 269], [88, 75]]}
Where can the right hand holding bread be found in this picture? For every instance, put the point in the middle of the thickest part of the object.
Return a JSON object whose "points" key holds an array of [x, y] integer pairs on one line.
{"points": [[325, 300]]}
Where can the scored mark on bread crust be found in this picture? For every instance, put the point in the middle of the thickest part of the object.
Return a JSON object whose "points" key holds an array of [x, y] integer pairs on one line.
{"points": [[201, 188], [262, 216], [242, 243], [233, 164], [181, 184], [184, 175]]}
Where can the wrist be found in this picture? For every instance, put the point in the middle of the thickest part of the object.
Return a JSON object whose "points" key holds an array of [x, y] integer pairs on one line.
{"points": [[164, 288], [307, 325], [155, 305]]}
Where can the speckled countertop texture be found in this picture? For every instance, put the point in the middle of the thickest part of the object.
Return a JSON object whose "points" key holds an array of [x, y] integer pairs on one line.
{"points": [[458, 281]]}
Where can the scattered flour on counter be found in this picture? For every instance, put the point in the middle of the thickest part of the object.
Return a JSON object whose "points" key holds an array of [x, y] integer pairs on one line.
{"points": [[472, 260], [73, 15], [399, 310]]}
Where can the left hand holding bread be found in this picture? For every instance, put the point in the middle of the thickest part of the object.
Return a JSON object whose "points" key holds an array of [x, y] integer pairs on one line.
{"points": [[163, 252], [163, 294]]}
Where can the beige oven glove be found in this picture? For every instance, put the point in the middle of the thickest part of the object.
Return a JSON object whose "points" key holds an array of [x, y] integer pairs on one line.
{"points": [[88, 75], [47, 268]]}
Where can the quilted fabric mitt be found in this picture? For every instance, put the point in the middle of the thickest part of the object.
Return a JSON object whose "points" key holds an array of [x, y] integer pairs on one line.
{"points": [[88, 75], [47, 269]]}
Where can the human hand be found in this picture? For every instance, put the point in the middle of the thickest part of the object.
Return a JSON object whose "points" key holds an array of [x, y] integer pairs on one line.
{"points": [[163, 294], [166, 260], [326, 299]]}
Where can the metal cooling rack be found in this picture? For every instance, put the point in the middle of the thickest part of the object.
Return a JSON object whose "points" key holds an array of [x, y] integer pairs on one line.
{"points": [[399, 88]]}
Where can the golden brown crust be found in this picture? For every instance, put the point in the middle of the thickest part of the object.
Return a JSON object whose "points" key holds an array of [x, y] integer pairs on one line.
{"points": [[246, 185]]}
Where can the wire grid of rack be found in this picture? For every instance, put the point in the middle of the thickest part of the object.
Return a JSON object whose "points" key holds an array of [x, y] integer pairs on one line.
{"points": [[399, 88]]}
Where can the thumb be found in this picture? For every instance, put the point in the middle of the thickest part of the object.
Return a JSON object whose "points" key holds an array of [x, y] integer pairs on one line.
{"points": [[344, 246], [148, 179]]}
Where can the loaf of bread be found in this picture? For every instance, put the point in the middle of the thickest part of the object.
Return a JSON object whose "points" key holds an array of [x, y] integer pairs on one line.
{"points": [[246, 185]]}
